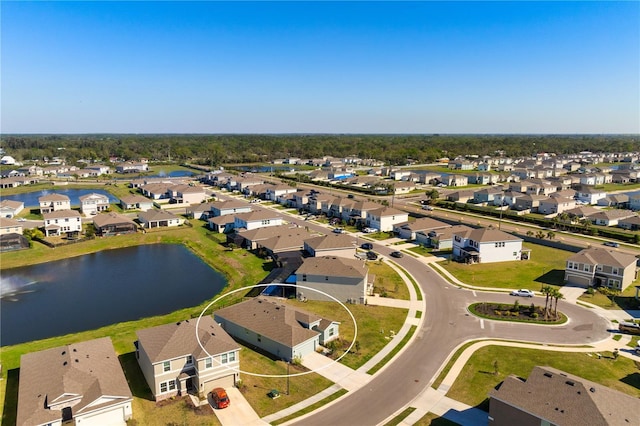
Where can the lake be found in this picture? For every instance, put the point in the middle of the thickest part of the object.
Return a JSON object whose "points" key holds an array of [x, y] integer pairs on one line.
{"points": [[30, 199], [94, 290]]}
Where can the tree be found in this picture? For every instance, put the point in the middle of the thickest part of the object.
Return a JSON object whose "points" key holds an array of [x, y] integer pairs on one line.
{"points": [[529, 233], [540, 235], [551, 235], [33, 233], [557, 295], [546, 290], [611, 293]]}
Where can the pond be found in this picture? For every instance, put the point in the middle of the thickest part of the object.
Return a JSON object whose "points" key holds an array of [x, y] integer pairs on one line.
{"points": [[99, 289], [30, 199]]}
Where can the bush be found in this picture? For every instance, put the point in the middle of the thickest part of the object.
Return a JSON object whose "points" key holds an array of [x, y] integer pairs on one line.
{"points": [[591, 291], [534, 315], [497, 313]]}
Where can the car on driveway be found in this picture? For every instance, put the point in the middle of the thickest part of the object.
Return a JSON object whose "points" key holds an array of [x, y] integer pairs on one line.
{"points": [[523, 292], [372, 255], [367, 246], [219, 398], [397, 254]]}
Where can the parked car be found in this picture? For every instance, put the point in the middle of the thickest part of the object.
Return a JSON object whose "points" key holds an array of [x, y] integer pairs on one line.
{"points": [[612, 244], [427, 207], [367, 246], [368, 230], [338, 230], [397, 254], [523, 292], [629, 327], [372, 255], [219, 398]]}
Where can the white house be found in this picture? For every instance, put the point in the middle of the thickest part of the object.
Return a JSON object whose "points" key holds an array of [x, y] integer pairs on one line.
{"points": [[186, 194], [159, 218], [10, 208], [590, 195], [486, 245], [54, 202], [257, 219], [92, 204], [384, 218], [222, 208], [61, 222]]}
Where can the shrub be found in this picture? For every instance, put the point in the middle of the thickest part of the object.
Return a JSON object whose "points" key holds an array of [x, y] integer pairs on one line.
{"points": [[590, 291], [534, 315], [497, 313]]}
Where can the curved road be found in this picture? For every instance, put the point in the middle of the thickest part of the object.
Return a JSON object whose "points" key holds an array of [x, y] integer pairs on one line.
{"points": [[446, 324]]}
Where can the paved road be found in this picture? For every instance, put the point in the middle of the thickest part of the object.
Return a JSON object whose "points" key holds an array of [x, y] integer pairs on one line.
{"points": [[446, 325]]}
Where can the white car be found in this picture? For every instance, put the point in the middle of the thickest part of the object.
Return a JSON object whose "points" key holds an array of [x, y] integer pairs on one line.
{"points": [[523, 292]]}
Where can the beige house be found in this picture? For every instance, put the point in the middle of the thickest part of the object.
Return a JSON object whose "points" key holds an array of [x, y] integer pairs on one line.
{"points": [[159, 218], [53, 203], [175, 362], [137, 202], [10, 226], [10, 208], [552, 397], [340, 245], [186, 194], [81, 384], [601, 267], [344, 279]]}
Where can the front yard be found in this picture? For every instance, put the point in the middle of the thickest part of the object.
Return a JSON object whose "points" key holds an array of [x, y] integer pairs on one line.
{"points": [[546, 266]]}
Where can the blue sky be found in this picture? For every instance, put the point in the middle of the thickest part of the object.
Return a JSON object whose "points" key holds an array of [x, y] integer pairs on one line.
{"points": [[320, 67]]}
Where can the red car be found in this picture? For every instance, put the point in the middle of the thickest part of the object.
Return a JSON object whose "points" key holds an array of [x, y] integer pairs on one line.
{"points": [[220, 398]]}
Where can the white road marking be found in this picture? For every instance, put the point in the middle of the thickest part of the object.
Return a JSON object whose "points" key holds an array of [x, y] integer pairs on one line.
{"points": [[474, 293], [482, 324]]}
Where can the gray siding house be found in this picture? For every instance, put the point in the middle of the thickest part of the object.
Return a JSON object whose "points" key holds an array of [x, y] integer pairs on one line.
{"points": [[344, 279]]}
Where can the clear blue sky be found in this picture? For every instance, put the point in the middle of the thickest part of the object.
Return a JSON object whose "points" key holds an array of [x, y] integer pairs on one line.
{"points": [[320, 67]]}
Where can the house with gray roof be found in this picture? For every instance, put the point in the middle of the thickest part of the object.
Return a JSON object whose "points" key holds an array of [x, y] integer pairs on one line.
{"points": [[610, 217], [57, 223], [159, 218], [10, 208], [276, 327], [136, 202], [346, 280], [487, 245], [187, 357], [440, 238], [257, 219], [340, 245], [614, 200], [553, 397], [112, 223], [594, 267], [93, 203], [556, 205], [80, 383], [630, 223], [53, 203], [408, 230], [222, 208]]}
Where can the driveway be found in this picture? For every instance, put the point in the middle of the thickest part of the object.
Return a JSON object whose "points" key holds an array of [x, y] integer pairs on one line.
{"points": [[239, 412]]}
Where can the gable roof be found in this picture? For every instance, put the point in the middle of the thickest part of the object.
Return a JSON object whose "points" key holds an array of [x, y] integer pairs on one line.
{"points": [[12, 204], [229, 204], [271, 318], [53, 197], [257, 215], [85, 371], [111, 218], [92, 196], [153, 215], [564, 399], [260, 234], [135, 199], [602, 256], [58, 214], [333, 267], [178, 339], [330, 242], [488, 235], [423, 223], [291, 240]]}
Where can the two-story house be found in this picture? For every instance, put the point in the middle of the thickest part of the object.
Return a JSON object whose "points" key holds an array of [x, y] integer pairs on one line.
{"points": [[594, 267], [340, 245], [91, 204], [222, 208], [60, 222], [53, 203], [187, 356], [485, 245], [384, 218], [344, 279]]}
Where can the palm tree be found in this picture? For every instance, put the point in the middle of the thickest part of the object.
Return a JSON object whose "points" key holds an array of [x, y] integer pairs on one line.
{"points": [[546, 290], [551, 235], [557, 295]]}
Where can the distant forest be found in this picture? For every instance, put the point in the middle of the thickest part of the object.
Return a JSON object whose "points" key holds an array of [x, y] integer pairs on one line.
{"points": [[236, 148]]}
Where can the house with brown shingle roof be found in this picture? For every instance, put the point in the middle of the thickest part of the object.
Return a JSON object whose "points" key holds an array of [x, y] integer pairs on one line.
{"points": [[441, 238], [344, 279], [129, 202], [257, 219], [159, 218], [10, 208], [112, 223], [610, 217], [552, 397], [276, 327], [62, 222], [601, 267], [486, 245], [80, 383], [91, 204], [53, 203], [188, 356], [341, 245]]}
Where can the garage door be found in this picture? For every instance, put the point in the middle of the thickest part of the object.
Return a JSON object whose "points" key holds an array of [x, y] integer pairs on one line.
{"points": [[578, 280], [222, 382], [108, 418]]}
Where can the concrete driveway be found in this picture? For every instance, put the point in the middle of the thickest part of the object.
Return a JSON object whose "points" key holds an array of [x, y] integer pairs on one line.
{"points": [[239, 412]]}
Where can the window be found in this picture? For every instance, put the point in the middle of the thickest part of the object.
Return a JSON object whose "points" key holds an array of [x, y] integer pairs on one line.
{"points": [[224, 358], [163, 387], [615, 271], [172, 385], [304, 277], [259, 338], [331, 331], [189, 359], [586, 268], [232, 356], [167, 386], [500, 244], [208, 363], [166, 366]]}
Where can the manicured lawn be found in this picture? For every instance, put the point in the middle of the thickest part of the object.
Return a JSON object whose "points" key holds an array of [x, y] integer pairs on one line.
{"points": [[379, 236], [421, 250], [546, 266], [626, 300], [477, 377], [375, 327], [387, 282]]}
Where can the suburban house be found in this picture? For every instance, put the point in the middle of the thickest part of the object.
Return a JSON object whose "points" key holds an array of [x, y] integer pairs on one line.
{"points": [[610, 217], [552, 397], [291, 240], [132, 167], [486, 195], [340, 245], [10, 226], [486, 245], [384, 218], [53, 203], [200, 211], [222, 208], [528, 202], [614, 200], [278, 192], [10, 208], [61, 222], [91, 204], [251, 239], [556, 205], [186, 194], [634, 201], [99, 169], [221, 224], [11, 237], [455, 180], [188, 356], [408, 230], [159, 218], [282, 330], [441, 238], [136, 202], [461, 196], [590, 195], [157, 191], [112, 223], [593, 267], [630, 223], [257, 219], [80, 383], [344, 279]]}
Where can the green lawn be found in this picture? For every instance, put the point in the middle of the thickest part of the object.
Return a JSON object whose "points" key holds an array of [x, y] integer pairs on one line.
{"points": [[421, 250], [477, 377], [626, 300], [546, 266], [387, 282]]}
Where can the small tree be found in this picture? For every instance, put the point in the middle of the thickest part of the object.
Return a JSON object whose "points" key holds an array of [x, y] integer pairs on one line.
{"points": [[495, 368], [551, 235]]}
